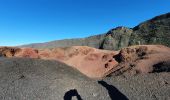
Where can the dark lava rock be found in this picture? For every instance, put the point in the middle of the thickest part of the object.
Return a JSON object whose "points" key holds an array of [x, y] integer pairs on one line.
{"points": [[32, 79]]}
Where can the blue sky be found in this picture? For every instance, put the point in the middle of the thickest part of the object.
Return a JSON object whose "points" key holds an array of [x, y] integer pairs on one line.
{"points": [[32, 21]]}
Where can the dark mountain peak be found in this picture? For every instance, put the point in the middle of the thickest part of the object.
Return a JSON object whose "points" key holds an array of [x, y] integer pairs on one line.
{"points": [[160, 17]]}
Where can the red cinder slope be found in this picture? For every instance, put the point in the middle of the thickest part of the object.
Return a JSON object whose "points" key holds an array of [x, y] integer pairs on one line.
{"points": [[144, 59], [96, 63]]}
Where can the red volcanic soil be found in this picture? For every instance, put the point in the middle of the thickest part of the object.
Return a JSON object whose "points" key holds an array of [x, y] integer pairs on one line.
{"points": [[27, 53], [144, 59], [96, 63], [92, 62]]}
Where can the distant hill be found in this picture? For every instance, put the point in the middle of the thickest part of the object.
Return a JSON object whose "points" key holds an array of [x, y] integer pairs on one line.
{"points": [[92, 41], [153, 31]]}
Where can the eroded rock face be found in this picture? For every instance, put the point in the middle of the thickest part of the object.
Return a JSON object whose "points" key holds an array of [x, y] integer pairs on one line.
{"points": [[132, 53], [144, 59], [27, 53], [116, 38], [8, 51]]}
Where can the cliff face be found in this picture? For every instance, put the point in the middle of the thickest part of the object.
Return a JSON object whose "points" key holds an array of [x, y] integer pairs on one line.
{"points": [[116, 38], [153, 31]]}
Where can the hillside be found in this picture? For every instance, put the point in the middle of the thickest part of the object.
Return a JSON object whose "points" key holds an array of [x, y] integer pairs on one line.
{"points": [[92, 41], [122, 64], [32, 79], [153, 31], [97, 63]]}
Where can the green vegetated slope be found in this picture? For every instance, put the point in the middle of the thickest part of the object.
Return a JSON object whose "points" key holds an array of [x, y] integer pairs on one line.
{"points": [[153, 31]]}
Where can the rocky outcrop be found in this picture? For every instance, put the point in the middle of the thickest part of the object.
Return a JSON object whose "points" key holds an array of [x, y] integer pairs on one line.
{"points": [[8, 51], [27, 53], [143, 59], [154, 31], [116, 38]]}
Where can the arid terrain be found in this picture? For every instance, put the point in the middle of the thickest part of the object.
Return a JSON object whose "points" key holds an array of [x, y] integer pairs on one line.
{"points": [[123, 64], [135, 72], [35, 79], [96, 63]]}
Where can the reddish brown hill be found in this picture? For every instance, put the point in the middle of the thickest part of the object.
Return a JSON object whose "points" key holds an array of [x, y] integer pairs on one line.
{"points": [[96, 63]]}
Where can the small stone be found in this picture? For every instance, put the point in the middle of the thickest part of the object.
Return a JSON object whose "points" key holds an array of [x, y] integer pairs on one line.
{"points": [[95, 94]]}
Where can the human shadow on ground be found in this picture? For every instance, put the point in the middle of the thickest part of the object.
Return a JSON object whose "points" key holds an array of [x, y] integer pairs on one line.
{"points": [[68, 95], [114, 93]]}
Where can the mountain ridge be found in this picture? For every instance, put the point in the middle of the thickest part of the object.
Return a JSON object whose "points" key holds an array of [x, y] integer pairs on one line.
{"points": [[153, 31]]}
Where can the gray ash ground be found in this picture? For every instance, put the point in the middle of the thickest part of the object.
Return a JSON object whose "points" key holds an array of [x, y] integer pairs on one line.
{"points": [[33, 79]]}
